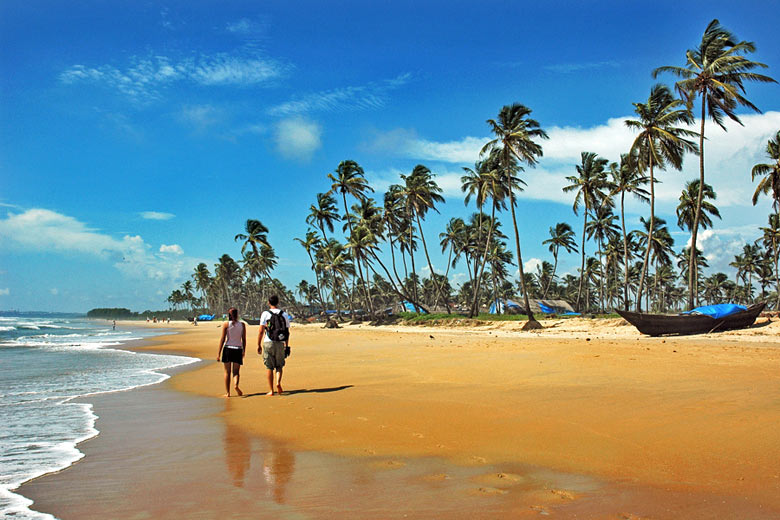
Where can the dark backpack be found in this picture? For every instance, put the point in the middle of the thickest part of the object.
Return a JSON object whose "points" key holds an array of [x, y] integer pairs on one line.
{"points": [[277, 327]]}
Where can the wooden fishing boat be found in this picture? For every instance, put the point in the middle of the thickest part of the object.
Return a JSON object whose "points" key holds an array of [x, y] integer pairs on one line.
{"points": [[252, 321], [659, 324]]}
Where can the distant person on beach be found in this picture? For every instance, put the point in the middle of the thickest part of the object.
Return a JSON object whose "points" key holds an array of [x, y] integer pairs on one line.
{"points": [[232, 349], [273, 342], [113, 325]]}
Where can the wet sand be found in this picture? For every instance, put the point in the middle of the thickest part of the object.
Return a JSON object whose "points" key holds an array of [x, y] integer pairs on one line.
{"points": [[393, 422]]}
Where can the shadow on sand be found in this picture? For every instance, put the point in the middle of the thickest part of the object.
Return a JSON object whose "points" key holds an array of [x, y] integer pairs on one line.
{"points": [[306, 391]]}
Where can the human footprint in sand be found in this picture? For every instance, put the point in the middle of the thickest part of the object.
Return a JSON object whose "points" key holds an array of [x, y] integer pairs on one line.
{"points": [[232, 349], [273, 342]]}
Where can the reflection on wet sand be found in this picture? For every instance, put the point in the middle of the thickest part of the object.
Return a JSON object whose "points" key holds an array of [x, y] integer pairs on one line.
{"points": [[278, 469]]}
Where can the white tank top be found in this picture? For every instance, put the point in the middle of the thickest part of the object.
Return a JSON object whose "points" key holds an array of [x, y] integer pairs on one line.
{"points": [[235, 329]]}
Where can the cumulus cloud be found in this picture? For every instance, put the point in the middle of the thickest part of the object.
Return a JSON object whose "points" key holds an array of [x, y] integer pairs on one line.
{"points": [[54, 291], [173, 249], [156, 215], [364, 97], [42, 229], [530, 265], [144, 78], [5, 292], [297, 138]]}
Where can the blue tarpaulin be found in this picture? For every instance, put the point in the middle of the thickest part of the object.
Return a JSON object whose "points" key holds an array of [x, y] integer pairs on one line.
{"points": [[409, 306], [205, 317], [546, 309], [498, 306], [720, 310]]}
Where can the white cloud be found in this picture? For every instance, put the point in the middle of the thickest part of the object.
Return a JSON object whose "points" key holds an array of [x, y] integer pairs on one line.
{"points": [[156, 215], [5, 292], [530, 265], [567, 68], [364, 97], [200, 116], [297, 138], [144, 78], [173, 249], [54, 291], [45, 230]]}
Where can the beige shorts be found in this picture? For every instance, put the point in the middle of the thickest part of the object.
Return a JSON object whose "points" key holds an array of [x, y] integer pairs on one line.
{"points": [[273, 355]]}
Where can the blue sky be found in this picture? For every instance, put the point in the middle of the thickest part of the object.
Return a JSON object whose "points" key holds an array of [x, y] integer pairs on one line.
{"points": [[136, 138]]}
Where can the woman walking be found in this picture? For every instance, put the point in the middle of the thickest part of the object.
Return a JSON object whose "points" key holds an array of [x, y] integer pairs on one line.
{"points": [[232, 348]]}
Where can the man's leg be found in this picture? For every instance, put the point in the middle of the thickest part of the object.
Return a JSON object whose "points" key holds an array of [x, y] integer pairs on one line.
{"points": [[270, 381], [279, 380]]}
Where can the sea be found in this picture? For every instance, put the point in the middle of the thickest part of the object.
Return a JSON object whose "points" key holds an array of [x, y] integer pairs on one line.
{"points": [[49, 367]]}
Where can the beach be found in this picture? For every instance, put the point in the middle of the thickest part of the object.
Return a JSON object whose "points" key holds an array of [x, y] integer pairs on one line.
{"points": [[584, 419]]}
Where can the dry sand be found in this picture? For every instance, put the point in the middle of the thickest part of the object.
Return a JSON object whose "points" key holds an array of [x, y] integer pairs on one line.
{"points": [[586, 418]]}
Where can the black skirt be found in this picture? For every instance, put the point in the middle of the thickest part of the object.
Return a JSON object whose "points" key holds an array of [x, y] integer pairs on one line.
{"points": [[233, 355]]}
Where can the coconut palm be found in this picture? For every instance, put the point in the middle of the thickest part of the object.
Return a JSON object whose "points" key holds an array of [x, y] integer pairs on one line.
{"points": [[256, 236], [561, 236], [660, 142], [627, 178], [770, 173], [422, 194], [590, 185], [323, 214], [602, 228], [203, 280], [515, 133], [348, 178], [715, 73], [311, 243], [771, 240]]}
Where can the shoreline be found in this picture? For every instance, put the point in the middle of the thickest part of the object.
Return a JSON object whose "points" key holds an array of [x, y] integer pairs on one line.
{"points": [[535, 416]]}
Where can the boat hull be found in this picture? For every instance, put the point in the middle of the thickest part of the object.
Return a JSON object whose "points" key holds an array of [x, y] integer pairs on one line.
{"points": [[662, 324]]}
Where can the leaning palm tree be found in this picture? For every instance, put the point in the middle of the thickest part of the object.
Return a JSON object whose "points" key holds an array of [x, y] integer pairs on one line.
{"points": [[716, 72], [561, 236], [422, 194], [660, 142], [627, 178], [323, 214], [349, 179], [590, 185], [770, 173], [311, 243], [515, 138], [256, 236]]}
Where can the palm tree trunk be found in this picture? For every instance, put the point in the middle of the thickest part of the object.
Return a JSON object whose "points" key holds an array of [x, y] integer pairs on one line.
{"points": [[436, 285], [692, 282], [649, 240], [532, 323], [396, 289], [582, 264], [478, 272], [625, 249], [414, 271], [552, 276]]}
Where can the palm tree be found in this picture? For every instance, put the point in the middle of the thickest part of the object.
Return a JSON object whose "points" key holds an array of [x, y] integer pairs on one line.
{"points": [[324, 214], [589, 187], [627, 178], [349, 178], [422, 194], [203, 280], [561, 236], [603, 229], [311, 243], [452, 239], [771, 239], [515, 132], [485, 181], [716, 72], [770, 172], [256, 236], [659, 142]]}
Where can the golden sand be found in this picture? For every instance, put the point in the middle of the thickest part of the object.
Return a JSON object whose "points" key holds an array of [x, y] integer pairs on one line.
{"points": [[582, 396]]}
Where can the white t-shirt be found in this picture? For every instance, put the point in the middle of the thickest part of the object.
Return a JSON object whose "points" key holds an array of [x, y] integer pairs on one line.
{"points": [[265, 317]]}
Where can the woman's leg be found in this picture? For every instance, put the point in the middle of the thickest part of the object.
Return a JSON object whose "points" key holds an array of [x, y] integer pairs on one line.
{"points": [[237, 376], [227, 379]]}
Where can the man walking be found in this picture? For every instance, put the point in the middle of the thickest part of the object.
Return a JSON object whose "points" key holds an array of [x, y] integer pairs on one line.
{"points": [[273, 342]]}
